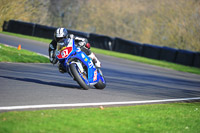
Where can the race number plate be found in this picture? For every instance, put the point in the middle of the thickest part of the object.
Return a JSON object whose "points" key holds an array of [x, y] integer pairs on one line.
{"points": [[64, 53]]}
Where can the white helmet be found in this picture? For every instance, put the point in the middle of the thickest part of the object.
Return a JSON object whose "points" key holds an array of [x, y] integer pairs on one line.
{"points": [[60, 33]]}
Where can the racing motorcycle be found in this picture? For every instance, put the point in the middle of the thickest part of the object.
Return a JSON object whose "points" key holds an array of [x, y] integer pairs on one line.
{"points": [[79, 66]]}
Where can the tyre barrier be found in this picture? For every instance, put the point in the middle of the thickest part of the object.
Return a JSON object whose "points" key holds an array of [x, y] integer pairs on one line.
{"points": [[44, 31], [79, 33], [129, 47], [168, 54], [151, 51], [21, 27], [5, 25], [196, 60], [37, 30], [183, 57], [101, 41]]}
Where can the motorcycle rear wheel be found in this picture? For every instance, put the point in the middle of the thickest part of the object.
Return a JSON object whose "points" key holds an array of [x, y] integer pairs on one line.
{"points": [[100, 85]]}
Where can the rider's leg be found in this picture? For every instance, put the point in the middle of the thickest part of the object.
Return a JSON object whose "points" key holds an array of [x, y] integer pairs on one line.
{"points": [[61, 68], [96, 62], [91, 56]]}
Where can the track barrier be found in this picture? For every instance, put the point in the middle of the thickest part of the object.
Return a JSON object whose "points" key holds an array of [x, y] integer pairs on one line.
{"points": [[168, 54], [185, 57], [151, 51], [101, 41], [126, 46], [179, 56]]}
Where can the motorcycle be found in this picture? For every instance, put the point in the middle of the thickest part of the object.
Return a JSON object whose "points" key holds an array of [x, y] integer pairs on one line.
{"points": [[78, 65]]}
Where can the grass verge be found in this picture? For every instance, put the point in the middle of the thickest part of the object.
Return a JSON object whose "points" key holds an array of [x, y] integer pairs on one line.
{"points": [[174, 117], [12, 54], [160, 63]]}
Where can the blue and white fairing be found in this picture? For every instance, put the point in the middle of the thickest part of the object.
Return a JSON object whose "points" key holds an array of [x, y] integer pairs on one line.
{"points": [[68, 53]]}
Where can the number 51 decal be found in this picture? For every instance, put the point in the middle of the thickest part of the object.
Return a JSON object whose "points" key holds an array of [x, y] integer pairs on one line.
{"points": [[64, 53]]}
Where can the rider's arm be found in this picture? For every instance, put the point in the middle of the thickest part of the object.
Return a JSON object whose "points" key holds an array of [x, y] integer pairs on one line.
{"points": [[82, 42], [52, 45], [52, 48]]}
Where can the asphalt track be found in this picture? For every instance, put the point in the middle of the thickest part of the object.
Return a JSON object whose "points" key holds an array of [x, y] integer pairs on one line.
{"points": [[127, 81]]}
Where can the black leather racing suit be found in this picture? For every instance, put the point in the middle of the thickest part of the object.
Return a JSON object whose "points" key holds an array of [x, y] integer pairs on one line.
{"points": [[81, 42]]}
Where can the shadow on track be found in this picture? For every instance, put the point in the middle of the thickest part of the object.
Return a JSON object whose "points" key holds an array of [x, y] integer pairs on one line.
{"points": [[150, 84], [43, 82]]}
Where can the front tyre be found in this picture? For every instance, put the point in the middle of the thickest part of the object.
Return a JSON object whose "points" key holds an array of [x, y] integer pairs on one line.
{"points": [[75, 73]]}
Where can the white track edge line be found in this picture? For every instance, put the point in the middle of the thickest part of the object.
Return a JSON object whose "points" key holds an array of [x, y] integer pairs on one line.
{"points": [[93, 104]]}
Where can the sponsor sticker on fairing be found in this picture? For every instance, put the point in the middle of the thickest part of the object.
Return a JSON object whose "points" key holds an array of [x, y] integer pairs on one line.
{"points": [[95, 75], [83, 56], [90, 64]]}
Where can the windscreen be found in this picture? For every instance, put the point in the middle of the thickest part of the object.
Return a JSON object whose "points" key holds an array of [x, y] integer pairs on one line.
{"points": [[62, 44]]}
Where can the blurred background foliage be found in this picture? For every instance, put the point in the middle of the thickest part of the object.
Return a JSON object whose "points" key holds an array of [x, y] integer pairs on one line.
{"points": [[173, 23]]}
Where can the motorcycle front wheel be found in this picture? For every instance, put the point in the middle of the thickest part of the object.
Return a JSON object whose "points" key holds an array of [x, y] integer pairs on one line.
{"points": [[77, 76]]}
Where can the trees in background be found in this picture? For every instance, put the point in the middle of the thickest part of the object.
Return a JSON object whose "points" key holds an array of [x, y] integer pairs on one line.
{"points": [[167, 23]]}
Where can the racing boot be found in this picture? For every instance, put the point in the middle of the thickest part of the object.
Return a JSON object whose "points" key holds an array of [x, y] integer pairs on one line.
{"points": [[96, 62], [61, 68]]}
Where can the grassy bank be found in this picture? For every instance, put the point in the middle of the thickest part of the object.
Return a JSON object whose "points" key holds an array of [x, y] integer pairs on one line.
{"points": [[11, 54], [176, 117], [160, 63]]}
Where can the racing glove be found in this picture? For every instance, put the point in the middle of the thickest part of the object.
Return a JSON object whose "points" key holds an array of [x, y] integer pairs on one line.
{"points": [[52, 57]]}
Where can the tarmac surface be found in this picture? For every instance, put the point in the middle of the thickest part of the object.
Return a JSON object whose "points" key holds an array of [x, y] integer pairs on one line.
{"points": [[42, 84]]}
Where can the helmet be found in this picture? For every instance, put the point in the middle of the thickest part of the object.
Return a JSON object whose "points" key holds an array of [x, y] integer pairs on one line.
{"points": [[60, 33]]}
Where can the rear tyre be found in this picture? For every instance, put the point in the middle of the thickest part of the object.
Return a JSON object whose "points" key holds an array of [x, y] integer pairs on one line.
{"points": [[100, 85], [77, 76]]}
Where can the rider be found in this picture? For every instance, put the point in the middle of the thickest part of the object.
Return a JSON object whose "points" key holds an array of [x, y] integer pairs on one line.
{"points": [[62, 33]]}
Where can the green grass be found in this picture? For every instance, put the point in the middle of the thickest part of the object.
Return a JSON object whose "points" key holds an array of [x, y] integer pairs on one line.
{"points": [[176, 117], [12, 54], [160, 63]]}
